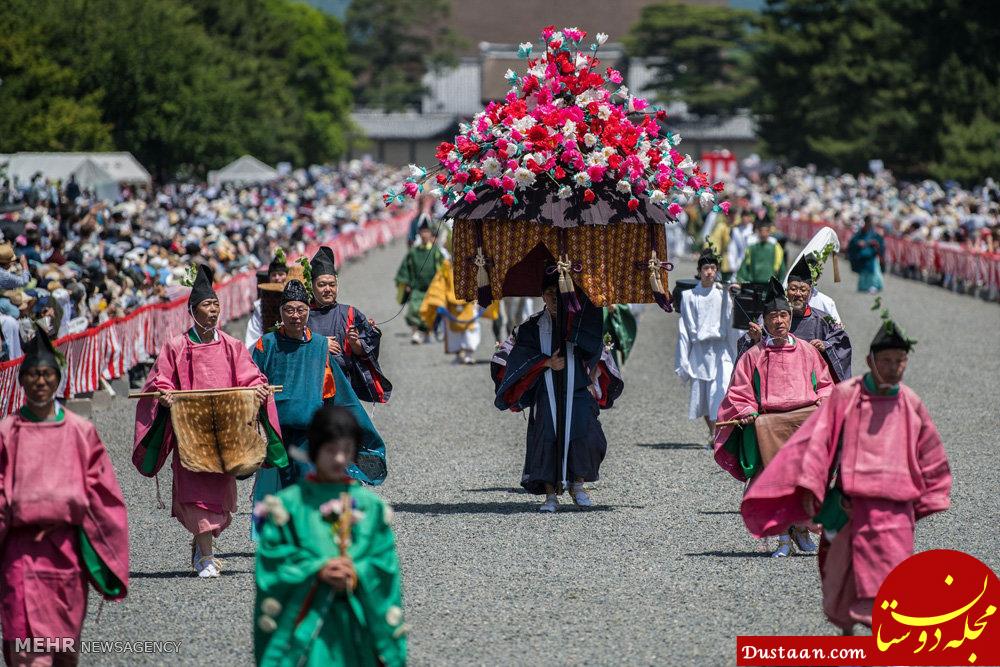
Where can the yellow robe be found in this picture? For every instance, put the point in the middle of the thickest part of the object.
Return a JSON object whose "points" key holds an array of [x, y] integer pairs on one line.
{"points": [[441, 293]]}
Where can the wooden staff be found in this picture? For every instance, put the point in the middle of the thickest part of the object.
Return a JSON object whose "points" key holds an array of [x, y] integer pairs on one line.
{"points": [[344, 534], [275, 389], [731, 422], [836, 269]]}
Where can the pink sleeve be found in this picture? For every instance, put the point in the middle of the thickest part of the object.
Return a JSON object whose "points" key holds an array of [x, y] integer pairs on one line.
{"points": [[822, 432], [934, 469]]}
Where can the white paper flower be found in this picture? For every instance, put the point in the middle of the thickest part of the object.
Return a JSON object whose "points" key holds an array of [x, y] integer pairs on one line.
{"points": [[415, 171], [622, 92], [509, 76], [564, 192], [526, 46], [624, 187], [538, 71], [582, 178], [437, 192], [491, 167], [581, 60], [590, 139], [707, 198], [658, 197], [604, 112], [394, 616], [276, 510], [270, 607], [688, 191], [569, 129], [677, 138], [601, 38], [686, 165], [524, 177], [524, 124]]}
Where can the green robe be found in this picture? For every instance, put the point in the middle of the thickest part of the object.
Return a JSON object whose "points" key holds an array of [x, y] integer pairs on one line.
{"points": [[761, 262], [359, 629], [414, 277], [620, 324]]}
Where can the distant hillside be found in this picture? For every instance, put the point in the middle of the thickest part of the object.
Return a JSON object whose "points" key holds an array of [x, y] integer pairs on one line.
{"points": [[337, 8]]}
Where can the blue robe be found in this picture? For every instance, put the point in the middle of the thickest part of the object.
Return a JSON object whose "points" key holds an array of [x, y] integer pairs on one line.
{"points": [[521, 383], [814, 324], [865, 260], [310, 380], [364, 372]]}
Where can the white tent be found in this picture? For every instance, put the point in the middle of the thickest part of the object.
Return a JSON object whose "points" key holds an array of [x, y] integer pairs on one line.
{"points": [[116, 167], [246, 169], [90, 176]]}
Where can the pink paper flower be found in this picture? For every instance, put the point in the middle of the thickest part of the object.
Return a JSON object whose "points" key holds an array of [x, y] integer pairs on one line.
{"points": [[675, 209]]}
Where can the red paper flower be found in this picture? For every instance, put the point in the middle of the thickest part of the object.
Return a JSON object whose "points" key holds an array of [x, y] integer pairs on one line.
{"points": [[508, 199], [588, 195], [633, 204]]}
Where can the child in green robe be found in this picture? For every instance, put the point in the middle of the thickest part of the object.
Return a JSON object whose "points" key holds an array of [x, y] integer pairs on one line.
{"points": [[314, 605]]}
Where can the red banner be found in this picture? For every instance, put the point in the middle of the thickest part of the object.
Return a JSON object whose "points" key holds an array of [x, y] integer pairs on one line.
{"points": [[971, 266], [113, 348]]}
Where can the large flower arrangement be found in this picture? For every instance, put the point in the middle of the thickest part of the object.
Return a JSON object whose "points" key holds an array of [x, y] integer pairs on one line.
{"points": [[562, 127]]}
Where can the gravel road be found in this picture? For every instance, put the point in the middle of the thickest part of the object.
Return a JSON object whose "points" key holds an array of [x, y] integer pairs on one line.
{"points": [[661, 571]]}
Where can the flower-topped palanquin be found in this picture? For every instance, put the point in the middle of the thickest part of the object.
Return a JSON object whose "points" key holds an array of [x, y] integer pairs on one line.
{"points": [[568, 147]]}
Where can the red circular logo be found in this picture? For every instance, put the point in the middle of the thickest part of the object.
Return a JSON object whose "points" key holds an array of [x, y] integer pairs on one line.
{"points": [[938, 608]]}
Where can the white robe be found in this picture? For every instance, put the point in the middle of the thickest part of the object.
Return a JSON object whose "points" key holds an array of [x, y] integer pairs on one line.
{"points": [[821, 301], [255, 326], [705, 346], [740, 238]]}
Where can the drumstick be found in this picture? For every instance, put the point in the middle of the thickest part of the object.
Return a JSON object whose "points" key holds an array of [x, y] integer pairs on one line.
{"points": [[275, 389]]}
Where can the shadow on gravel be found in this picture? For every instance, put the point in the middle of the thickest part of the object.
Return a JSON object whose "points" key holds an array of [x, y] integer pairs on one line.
{"points": [[488, 508], [718, 512], [672, 445], [488, 489], [732, 554], [238, 554], [180, 574]]}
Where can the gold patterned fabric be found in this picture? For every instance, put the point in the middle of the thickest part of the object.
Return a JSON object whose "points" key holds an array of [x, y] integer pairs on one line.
{"points": [[608, 255], [219, 432]]}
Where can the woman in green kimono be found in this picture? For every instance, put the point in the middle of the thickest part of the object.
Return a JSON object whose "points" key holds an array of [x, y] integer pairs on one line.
{"points": [[315, 605]]}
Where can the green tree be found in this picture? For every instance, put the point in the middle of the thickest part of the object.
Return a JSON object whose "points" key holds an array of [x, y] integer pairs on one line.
{"points": [[296, 58], [842, 82], [37, 109], [393, 43], [700, 54], [186, 85], [969, 152]]}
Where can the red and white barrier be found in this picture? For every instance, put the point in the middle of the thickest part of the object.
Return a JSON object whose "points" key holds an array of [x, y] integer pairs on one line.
{"points": [[971, 266], [113, 348]]}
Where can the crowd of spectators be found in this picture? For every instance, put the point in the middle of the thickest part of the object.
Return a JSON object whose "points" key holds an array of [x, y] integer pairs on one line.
{"points": [[69, 262], [923, 211]]}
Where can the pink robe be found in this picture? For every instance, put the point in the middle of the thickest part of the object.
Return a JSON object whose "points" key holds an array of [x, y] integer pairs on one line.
{"points": [[786, 383], [893, 468], [202, 501], [55, 479]]}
